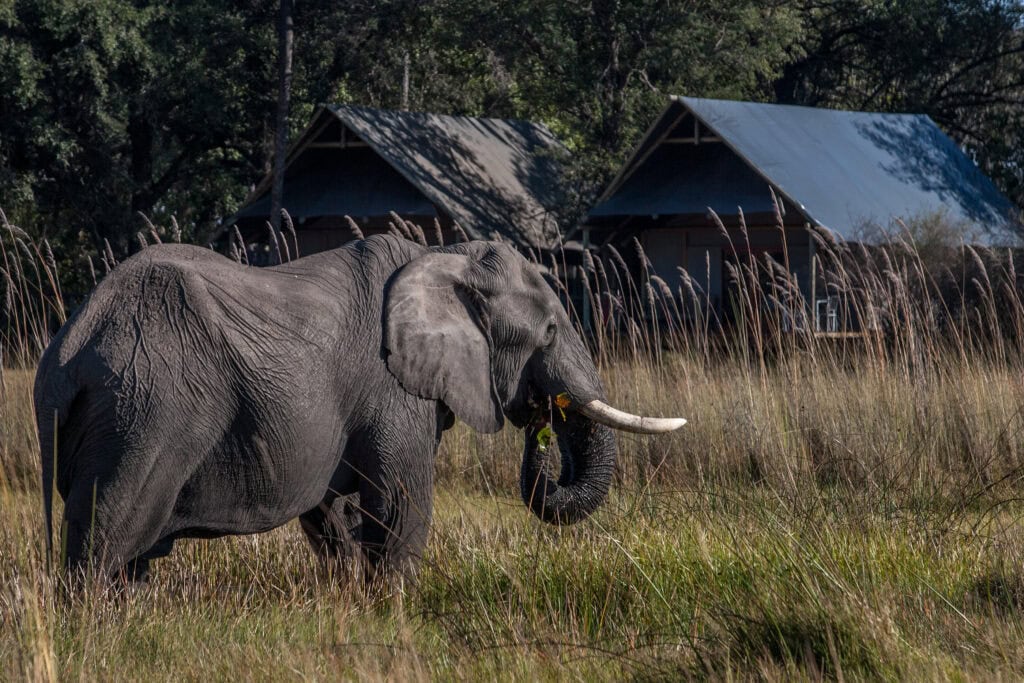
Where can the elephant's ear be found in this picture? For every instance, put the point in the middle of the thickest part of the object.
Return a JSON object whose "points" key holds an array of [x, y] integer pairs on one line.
{"points": [[435, 341]]}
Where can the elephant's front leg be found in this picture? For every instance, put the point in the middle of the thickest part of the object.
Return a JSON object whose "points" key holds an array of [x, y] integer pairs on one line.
{"points": [[396, 489]]}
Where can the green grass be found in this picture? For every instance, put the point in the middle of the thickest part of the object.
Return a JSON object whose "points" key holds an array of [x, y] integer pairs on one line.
{"points": [[879, 537], [761, 590], [849, 511]]}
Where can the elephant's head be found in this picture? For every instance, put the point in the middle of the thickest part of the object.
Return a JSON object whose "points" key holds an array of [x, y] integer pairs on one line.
{"points": [[477, 327]]}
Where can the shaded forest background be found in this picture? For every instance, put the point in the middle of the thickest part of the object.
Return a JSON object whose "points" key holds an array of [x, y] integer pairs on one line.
{"points": [[112, 108]]}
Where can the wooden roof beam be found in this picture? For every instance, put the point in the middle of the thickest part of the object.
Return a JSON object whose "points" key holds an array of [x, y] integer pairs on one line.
{"points": [[692, 140]]}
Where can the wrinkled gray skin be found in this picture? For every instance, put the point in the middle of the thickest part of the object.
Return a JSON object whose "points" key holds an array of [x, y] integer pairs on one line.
{"points": [[196, 397]]}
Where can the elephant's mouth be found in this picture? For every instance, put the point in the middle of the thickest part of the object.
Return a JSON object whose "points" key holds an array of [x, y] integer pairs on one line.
{"points": [[529, 410]]}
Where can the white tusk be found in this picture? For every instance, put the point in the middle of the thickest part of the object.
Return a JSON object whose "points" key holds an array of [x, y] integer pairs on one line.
{"points": [[627, 422]]}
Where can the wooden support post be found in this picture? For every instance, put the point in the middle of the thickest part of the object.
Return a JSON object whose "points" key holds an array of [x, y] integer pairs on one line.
{"points": [[814, 279]]}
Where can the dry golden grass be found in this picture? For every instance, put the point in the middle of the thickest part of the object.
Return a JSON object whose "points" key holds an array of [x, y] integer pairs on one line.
{"points": [[850, 512], [842, 524]]}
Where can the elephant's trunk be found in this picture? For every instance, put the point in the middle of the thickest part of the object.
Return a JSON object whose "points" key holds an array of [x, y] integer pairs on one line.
{"points": [[588, 460]]}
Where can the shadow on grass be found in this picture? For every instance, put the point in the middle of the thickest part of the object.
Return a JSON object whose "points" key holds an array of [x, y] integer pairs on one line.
{"points": [[998, 591]]}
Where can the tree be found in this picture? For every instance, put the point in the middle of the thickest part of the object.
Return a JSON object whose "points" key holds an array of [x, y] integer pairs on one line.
{"points": [[959, 61], [285, 34], [115, 107], [123, 109], [597, 73]]}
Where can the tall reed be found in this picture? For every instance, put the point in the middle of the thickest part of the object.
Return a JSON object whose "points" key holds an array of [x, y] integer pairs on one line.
{"points": [[33, 303]]}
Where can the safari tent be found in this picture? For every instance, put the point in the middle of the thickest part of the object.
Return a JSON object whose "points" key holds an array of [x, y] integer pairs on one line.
{"points": [[495, 178], [853, 174]]}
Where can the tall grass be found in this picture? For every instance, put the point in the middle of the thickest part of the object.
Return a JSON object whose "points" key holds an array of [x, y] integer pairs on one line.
{"points": [[32, 297], [912, 308], [835, 508]]}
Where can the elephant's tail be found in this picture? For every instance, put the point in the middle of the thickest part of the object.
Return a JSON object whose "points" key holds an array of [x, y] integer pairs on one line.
{"points": [[54, 395]]}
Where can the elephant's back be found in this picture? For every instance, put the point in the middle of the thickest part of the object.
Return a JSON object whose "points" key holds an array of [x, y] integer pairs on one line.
{"points": [[181, 317], [114, 349], [143, 292]]}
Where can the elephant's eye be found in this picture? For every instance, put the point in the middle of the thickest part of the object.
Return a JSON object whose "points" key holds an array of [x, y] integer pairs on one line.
{"points": [[549, 334]]}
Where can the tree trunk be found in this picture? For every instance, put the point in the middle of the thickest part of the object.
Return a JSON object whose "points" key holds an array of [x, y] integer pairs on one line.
{"points": [[285, 35], [405, 81]]}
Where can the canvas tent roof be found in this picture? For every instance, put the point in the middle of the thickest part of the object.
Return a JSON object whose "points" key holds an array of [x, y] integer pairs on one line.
{"points": [[492, 176], [842, 170]]}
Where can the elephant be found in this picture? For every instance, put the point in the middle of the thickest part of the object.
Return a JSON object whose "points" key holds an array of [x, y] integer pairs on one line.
{"points": [[194, 396]]}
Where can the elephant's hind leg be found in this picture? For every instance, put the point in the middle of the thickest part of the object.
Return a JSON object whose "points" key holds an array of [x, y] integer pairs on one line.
{"points": [[333, 528], [138, 569], [115, 517]]}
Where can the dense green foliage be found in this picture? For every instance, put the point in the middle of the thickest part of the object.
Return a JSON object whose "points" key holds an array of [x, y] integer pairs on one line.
{"points": [[114, 107]]}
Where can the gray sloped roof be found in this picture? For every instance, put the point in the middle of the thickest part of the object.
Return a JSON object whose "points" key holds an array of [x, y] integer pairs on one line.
{"points": [[358, 183], [841, 169], [494, 177]]}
